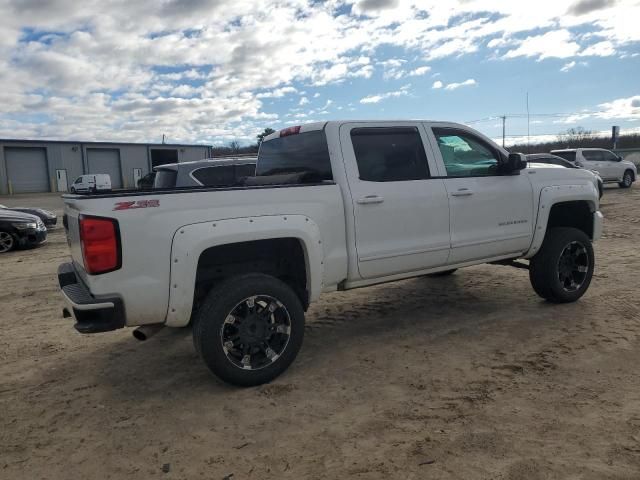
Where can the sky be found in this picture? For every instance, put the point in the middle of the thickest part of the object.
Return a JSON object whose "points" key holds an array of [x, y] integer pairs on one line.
{"points": [[213, 71]]}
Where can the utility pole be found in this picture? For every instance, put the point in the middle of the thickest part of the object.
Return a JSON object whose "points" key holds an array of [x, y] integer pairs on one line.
{"points": [[163, 138], [504, 128]]}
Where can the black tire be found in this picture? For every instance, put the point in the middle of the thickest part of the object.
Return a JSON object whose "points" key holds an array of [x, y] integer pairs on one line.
{"points": [[7, 241], [211, 328], [72, 190], [627, 179], [444, 273], [556, 270]]}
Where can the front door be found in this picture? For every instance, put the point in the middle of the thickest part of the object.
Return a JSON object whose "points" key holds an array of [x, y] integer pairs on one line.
{"points": [[491, 214], [401, 214], [61, 180]]}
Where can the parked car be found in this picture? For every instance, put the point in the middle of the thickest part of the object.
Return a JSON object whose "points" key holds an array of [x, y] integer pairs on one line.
{"points": [[210, 172], [48, 218], [611, 167], [98, 182], [333, 206], [18, 229], [540, 159]]}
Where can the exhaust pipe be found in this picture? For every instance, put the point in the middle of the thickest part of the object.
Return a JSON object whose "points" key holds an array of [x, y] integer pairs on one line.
{"points": [[145, 332]]}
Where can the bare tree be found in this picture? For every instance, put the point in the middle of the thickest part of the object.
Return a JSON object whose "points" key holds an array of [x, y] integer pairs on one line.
{"points": [[265, 133], [234, 146], [574, 136]]}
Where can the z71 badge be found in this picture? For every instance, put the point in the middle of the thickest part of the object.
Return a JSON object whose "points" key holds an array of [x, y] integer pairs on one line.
{"points": [[138, 204]]}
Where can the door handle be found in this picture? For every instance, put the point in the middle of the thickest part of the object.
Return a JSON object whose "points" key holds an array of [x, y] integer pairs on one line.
{"points": [[370, 199], [462, 192]]}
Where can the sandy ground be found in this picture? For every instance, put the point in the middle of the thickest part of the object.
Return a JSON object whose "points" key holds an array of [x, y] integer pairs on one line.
{"points": [[467, 377]]}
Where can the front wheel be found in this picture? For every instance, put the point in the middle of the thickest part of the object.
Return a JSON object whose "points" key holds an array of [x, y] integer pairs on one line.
{"points": [[561, 271], [627, 179], [72, 190], [249, 329], [7, 242]]}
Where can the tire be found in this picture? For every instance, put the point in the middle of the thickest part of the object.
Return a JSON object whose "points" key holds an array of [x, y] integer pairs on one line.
{"points": [[627, 179], [562, 270], [72, 190], [248, 345], [444, 273], [7, 241]]}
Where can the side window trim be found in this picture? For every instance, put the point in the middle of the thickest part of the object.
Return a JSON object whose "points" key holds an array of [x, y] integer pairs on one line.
{"points": [[399, 129]]}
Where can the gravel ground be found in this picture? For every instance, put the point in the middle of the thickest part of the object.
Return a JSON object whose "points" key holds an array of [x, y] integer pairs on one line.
{"points": [[464, 377]]}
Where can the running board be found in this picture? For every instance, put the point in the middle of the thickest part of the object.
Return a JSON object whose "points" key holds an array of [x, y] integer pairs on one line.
{"points": [[512, 263]]}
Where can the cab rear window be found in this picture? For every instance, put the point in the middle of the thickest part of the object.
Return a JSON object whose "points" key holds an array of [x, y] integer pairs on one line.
{"points": [[298, 153]]}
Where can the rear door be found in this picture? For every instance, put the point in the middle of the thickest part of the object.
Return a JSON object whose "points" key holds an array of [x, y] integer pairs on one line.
{"points": [[592, 160], [401, 212], [491, 214], [610, 167]]}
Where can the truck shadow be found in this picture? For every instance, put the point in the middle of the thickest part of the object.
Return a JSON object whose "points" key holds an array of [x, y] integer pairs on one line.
{"points": [[166, 366]]}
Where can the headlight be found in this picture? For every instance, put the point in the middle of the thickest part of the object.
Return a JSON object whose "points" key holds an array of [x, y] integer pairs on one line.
{"points": [[25, 226]]}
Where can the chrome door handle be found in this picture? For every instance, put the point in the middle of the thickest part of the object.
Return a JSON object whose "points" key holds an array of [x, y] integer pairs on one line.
{"points": [[462, 192], [370, 199]]}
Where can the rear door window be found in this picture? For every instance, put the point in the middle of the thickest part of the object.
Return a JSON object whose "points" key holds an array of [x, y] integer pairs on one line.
{"points": [[592, 155], [215, 176], [298, 153], [389, 154], [248, 170]]}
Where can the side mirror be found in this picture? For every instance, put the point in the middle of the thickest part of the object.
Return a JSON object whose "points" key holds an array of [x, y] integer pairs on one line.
{"points": [[515, 162], [619, 158]]}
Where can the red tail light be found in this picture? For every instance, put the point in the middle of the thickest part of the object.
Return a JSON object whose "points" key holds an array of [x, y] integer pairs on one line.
{"points": [[100, 240]]}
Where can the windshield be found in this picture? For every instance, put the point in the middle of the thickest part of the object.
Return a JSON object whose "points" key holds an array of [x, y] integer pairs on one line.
{"points": [[571, 156], [303, 152]]}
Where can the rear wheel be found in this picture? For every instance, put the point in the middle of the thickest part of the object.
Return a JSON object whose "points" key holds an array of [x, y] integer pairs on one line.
{"points": [[7, 242], [627, 179], [249, 329], [561, 271]]}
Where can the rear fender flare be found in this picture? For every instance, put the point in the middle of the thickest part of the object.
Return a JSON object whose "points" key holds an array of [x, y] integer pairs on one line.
{"points": [[190, 241]]}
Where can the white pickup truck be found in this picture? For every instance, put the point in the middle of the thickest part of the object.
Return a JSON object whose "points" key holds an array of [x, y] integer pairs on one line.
{"points": [[333, 206]]}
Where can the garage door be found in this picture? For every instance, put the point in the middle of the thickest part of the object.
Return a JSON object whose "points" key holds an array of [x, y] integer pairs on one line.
{"points": [[27, 169], [103, 160]]}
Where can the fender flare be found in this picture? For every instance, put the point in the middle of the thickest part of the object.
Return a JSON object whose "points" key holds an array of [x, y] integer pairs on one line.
{"points": [[550, 196], [189, 241]]}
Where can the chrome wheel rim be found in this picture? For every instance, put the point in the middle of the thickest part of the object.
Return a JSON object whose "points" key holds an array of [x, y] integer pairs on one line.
{"points": [[573, 266], [6, 242], [256, 332]]}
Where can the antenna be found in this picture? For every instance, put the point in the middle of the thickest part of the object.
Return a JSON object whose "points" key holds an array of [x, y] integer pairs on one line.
{"points": [[528, 127]]}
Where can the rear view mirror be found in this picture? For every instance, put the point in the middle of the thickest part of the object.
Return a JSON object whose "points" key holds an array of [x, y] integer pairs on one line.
{"points": [[515, 162]]}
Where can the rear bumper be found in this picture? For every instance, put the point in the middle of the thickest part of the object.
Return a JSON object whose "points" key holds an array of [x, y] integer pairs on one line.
{"points": [[93, 314]]}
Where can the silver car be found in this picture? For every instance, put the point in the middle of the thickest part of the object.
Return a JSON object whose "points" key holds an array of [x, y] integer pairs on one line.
{"points": [[210, 172]]}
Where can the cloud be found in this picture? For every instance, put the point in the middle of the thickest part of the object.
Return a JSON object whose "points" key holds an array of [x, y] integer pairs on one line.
{"points": [[303, 101], [383, 96], [601, 49], [437, 84], [467, 83], [558, 43], [200, 69], [277, 93], [419, 71], [587, 6], [568, 66]]}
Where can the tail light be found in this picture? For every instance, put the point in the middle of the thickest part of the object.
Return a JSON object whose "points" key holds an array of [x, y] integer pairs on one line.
{"points": [[100, 240]]}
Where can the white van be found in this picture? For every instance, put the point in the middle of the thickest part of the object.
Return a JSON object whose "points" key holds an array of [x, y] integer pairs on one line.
{"points": [[98, 182]]}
